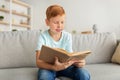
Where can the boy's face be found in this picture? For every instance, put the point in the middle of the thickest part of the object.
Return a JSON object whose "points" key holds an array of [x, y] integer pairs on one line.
{"points": [[56, 24]]}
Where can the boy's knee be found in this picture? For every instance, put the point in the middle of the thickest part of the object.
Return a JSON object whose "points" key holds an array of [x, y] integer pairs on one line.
{"points": [[45, 75], [83, 74]]}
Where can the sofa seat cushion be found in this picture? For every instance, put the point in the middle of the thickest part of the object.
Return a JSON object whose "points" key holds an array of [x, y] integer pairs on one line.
{"points": [[19, 74], [22, 74], [108, 71]]}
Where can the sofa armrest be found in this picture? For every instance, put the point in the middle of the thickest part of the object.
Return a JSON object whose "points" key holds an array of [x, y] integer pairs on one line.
{"points": [[118, 41]]}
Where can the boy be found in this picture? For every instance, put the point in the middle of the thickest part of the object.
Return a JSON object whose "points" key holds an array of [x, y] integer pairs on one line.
{"points": [[56, 37]]}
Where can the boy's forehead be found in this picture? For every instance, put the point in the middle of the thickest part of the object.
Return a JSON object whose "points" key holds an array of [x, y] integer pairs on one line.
{"points": [[58, 17]]}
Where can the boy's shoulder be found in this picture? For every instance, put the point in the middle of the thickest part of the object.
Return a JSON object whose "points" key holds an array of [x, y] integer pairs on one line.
{"points": [[44, 32], [65, 32]]}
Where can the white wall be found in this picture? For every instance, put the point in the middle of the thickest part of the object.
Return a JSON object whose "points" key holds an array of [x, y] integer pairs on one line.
{"points": [[81, 14], [15, 19]]}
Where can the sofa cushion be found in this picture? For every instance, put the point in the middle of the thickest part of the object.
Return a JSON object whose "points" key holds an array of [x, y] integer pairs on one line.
{"points": [[19, 74], [107, 71], [102, 46], [22, 74], [116, 55], [17, 49]]}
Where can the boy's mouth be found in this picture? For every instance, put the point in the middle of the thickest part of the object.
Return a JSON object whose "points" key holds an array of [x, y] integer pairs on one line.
{"points": [[58, 30]]}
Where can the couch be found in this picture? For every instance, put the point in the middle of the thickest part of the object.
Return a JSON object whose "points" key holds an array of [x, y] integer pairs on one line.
{"points": [[17, 55]]}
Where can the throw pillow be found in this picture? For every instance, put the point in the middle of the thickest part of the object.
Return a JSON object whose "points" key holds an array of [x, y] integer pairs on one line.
{"points": [[116, 55]]}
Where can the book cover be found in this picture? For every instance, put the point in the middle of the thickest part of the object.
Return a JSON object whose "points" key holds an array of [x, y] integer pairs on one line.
{"points": [[48, 54]]}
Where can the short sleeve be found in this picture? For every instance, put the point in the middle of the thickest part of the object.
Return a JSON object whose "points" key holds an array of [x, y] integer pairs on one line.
{"points": [[40, 42], [69, 43]]}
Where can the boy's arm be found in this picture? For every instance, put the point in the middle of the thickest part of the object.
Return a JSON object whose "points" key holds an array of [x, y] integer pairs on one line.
{"points": [[42, 64], [56, 67]]}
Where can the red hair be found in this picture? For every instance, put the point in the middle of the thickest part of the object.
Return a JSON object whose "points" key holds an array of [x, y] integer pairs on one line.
{"points": [[54, 10]]}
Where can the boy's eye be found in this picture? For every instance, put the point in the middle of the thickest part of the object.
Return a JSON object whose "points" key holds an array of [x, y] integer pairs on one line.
{"points": [[62, 22], [58, 22]]}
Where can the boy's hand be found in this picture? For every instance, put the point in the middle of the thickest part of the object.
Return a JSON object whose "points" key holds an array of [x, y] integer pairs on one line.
{"points": [[80, 63], [61, 66]]}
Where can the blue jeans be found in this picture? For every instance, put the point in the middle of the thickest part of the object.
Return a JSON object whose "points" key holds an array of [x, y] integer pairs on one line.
{"points": [[72, 72]]}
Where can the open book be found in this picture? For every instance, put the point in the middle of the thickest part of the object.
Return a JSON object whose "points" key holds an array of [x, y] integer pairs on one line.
{"points": [[48, 54]]}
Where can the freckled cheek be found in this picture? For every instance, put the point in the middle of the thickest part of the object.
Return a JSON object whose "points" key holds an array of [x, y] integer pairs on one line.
{"points": [[62, 26], [53, 26]]}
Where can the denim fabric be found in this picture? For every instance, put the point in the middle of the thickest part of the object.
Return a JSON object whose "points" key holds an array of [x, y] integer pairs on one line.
{"points": [[71, 72]]}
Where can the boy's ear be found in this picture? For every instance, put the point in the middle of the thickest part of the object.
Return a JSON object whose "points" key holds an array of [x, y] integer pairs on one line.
{"points": [[47, 22]]}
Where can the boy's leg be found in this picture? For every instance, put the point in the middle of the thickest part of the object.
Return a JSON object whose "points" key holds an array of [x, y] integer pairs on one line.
{"points": [[81, 74], [44, 74], [75, 73]]}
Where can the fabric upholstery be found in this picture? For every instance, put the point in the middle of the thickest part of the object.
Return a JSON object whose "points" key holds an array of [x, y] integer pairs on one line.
{"points": [[102, 46], [17, 49], [106, 71], [18, 74], [17, 55]]}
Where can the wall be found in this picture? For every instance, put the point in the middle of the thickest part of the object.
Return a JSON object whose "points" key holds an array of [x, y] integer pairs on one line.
{"points": [[81, 14], [13, 18]]}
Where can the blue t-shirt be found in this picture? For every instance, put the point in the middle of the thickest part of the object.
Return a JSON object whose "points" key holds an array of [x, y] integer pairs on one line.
{"points": [[65, 41]]}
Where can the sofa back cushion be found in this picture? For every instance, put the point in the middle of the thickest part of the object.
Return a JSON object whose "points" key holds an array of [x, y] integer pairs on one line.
{"points": [[102, 46], [17, 49]]}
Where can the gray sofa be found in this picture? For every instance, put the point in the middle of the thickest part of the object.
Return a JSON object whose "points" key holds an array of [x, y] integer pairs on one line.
{"points": [[17, 55]]}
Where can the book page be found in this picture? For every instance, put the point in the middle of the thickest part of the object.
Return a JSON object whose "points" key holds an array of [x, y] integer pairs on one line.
{"points": [[48, 54], [80, 55]]}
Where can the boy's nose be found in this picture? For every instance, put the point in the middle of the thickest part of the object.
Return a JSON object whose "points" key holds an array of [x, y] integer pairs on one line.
{"points": [[59, 24]]}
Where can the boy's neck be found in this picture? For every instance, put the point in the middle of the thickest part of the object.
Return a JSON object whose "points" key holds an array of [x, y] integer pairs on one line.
{"points": [[55, 36]]}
